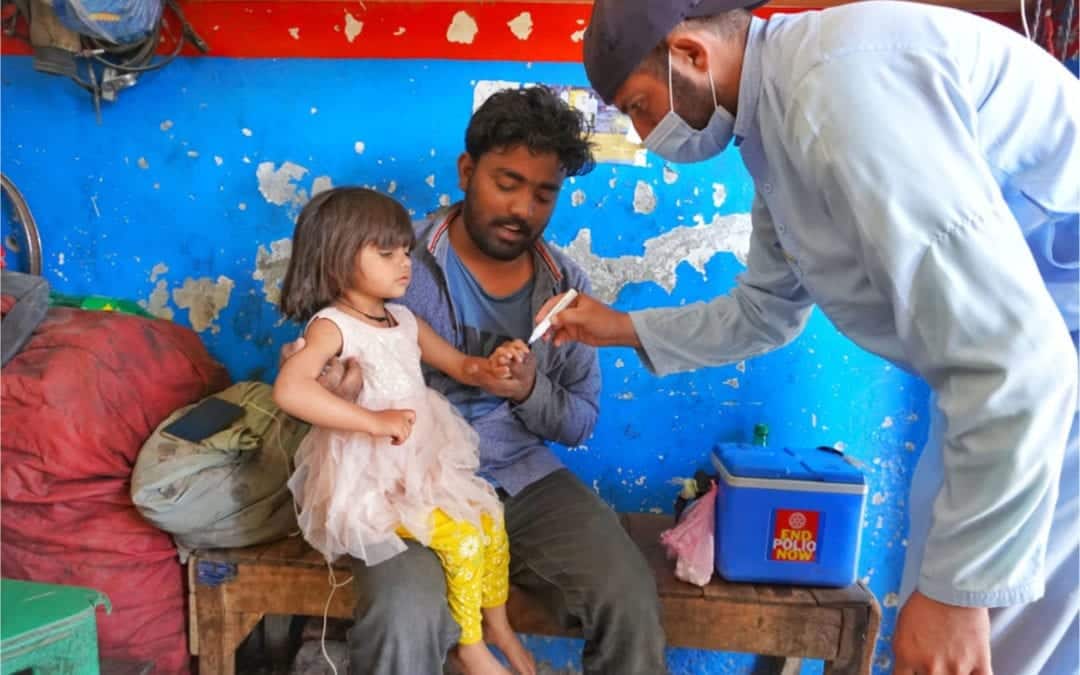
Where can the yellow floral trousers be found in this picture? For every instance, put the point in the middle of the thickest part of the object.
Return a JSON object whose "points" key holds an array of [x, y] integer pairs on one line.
{"points": [[476, 564]]}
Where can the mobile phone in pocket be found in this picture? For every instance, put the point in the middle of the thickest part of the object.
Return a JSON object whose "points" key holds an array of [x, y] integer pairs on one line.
{"points": [[210, 416]]}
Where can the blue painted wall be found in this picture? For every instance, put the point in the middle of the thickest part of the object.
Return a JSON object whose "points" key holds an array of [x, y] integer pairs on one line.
{"points": [[169, 180]]}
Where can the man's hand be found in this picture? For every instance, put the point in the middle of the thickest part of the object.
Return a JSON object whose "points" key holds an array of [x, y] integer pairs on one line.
{"points": [[510, 372], [397, 424], [342, 378], [933, 638], [589, 321]]}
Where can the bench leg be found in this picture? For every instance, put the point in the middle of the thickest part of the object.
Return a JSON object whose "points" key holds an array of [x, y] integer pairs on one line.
{"points": [[857, 642], [219, 631]]}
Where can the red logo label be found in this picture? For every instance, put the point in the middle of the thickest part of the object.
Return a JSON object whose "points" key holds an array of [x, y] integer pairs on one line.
{"points": [[795, 536]]}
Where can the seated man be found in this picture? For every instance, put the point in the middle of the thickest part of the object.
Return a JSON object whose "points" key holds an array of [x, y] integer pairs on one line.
{"points": [[480, 273]]}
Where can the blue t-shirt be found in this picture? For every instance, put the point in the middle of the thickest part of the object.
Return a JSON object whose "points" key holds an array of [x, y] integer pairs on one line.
{"points": [[489, 321]]}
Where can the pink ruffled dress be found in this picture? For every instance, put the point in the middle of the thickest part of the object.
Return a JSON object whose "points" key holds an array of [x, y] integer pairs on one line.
{"points": [[354, 490]]}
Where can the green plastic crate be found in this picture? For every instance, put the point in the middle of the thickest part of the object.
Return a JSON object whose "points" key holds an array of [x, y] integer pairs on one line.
{"points": [[48, 629]]}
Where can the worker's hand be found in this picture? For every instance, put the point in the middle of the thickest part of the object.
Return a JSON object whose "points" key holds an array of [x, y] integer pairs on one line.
{"points": [[341, 377], [589, 321], [933, 638]]}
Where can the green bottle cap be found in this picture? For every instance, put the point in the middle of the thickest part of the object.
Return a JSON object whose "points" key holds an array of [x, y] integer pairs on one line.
{"points": [[761, 432]]}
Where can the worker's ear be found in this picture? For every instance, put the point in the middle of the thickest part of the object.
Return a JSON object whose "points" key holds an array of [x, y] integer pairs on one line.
{"points": [[688, 51]]}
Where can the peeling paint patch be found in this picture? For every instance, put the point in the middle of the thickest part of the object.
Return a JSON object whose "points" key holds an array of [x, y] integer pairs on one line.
{"points": [[644, 198], [270, 268], [887, 423], [463, 29], [694, 245], [521, 25], [242, 206], [143, 164], [353, 26], [612, 183], [247, 132], [909, 446], [840, 445], [392, 187], [577, 198], [294, 32], [166, 125], [444, 200], [158, 302], [321, 184], [878, 499], [218, 160], [891, 600], [359, 147], [400, 31], [813, 420], [278, 186], [719, 194], [204, 299], [670, 175], [619, 363], [741, 366], [430, 180], [577, 36], [158, 270], [625, 396], [193, 153], [733, 383], [913, 417]]}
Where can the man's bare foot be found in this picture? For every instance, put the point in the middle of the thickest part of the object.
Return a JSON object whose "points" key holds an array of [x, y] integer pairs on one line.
{"points": [[477, 659], [497, 631]]}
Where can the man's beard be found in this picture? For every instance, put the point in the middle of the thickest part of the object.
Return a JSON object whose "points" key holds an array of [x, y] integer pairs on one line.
{"points": [[484, 237]]}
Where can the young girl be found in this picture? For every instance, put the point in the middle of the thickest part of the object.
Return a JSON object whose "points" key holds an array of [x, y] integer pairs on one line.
{"points": [[399, 462]]}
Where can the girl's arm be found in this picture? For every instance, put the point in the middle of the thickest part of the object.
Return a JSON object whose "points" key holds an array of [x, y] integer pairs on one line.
{"points": [[298, 392], [440, 354]]}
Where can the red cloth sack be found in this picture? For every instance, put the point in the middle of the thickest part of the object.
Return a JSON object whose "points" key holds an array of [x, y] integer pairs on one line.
{"points": [[78, 402]]}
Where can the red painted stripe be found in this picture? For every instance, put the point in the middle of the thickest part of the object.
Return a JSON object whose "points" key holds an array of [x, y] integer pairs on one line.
{"points": [[319, 29]]}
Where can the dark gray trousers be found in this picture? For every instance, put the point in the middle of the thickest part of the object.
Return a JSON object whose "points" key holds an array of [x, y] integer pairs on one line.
{"points": [[566, 546]]}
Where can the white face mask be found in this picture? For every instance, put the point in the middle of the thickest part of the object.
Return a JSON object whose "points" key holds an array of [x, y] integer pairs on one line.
{"points": [[676, 141]]}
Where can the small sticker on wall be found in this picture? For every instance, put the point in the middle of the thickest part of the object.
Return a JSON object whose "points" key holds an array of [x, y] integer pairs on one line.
{"points": [[795, 536]]}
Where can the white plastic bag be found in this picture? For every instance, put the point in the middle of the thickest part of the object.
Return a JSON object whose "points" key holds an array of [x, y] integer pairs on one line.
{"points": [[691, 541]]}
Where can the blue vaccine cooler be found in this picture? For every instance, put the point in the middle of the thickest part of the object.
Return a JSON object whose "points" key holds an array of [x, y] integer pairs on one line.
{"points": [[787, 515]]}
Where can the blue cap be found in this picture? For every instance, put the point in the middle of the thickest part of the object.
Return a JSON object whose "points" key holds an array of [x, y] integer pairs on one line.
{"points": [[621, 34]]}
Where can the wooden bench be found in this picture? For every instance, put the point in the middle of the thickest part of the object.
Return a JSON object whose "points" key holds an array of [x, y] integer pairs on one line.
{"points": [[232, 589]]}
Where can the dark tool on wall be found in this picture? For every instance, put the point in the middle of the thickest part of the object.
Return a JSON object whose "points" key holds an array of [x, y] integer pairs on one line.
{"points": [[102, 45]]}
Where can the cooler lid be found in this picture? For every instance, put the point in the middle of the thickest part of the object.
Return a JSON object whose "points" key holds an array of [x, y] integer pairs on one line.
{"points": [[823, 465]]}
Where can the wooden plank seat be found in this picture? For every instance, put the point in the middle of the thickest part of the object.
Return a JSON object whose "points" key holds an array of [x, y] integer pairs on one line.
{"points": [[232, 589]]}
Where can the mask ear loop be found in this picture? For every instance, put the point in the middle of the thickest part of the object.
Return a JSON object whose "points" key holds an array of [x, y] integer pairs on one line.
{"points": [[670, 90], [712, 86]]}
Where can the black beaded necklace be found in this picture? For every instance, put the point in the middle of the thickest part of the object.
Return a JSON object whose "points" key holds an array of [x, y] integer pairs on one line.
{"points": [[386, 318]]}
